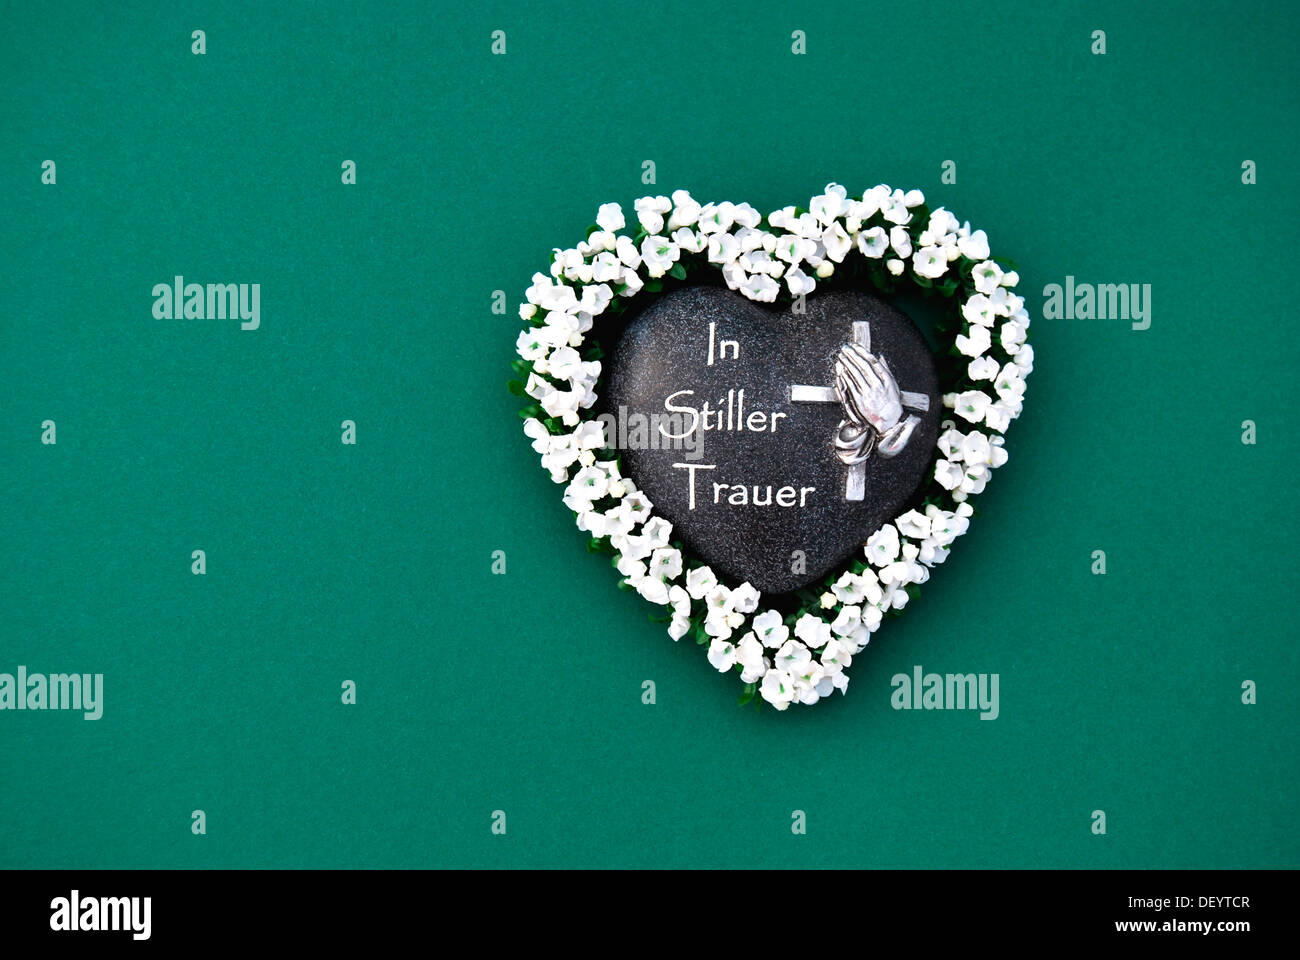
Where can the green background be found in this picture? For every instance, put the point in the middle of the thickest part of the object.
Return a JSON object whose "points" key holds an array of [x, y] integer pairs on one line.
{"points": [[523, 692]]}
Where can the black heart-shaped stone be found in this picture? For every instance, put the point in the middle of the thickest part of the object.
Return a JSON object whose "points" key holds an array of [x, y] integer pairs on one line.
{"points": [[769, 489]]}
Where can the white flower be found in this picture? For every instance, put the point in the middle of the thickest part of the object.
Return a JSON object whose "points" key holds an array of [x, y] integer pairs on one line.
{"points": [[749, 654], [610, 217], [975, 448], [746, 216], [551, 294], [717, 626], [531, 344], [760, 287], [1024, 359], [982, 368], [632, 282], [950, 443], [659, 254], [564, 363], [849, 588], [650, 211], [653, 589], [812, 630], [792, 656], [915, 526], [837, 242], [718, 601], [657, 530], [700, 581], [882, 547], [850, 619], [895, 266], [690, 241], [771, 629], [777, 689], [685, 210], [998, 417], [681, 601], [679, 626], [1009, 382], [606, 268], [969, 405], [666, 563], [1011, 334], [974, 344], [894, 208], [941, 230], [781, 219], [1006, 304], [717, 217], [987, 276], [722, 654], [792, 249], [975, 246], [873, 243], [831, 204], [591, 483], [901, 241], [536, 431], [633, 570], [627, 252], [930, 262], [798, 282], [635, 505], [744, 598], [723, 248], [836, 658], [979, 310], [600, 240], [808, 683], [563, 404], [595, 298]]}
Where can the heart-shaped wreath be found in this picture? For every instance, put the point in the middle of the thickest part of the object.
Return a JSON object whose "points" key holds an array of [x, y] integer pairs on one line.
{"points": [[797, 650]]}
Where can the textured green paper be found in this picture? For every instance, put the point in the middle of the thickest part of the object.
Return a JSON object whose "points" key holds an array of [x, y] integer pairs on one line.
{"points": [[523, 692]]}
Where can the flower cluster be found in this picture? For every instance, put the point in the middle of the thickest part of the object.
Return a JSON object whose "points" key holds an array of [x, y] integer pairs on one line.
{"points": [[802, 656]]}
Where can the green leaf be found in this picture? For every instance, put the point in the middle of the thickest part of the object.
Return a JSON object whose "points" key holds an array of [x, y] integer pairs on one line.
{"points": [[678, 271], [515, 387], [653, 286], [748, 694]]}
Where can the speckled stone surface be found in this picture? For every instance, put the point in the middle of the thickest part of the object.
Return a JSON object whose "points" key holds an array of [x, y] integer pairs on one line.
{"points": [[665, 349]]}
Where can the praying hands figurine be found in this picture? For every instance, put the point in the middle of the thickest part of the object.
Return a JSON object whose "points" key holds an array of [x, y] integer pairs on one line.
{"points": [[873, 408]]}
